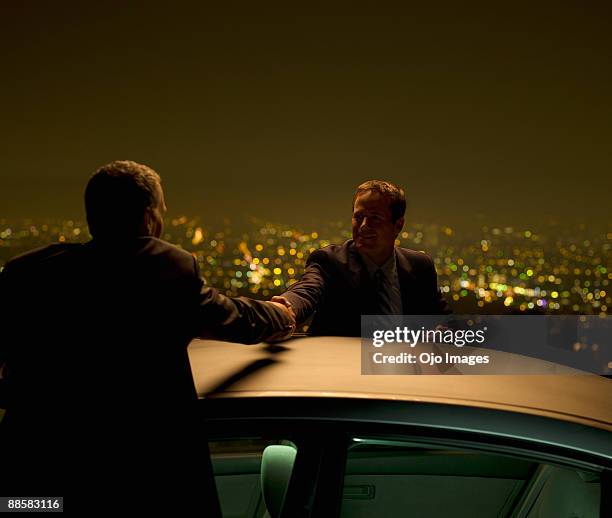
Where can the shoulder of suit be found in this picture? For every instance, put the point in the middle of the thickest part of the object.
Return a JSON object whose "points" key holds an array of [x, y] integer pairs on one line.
{"points": [[159, 247], [330, 253], [416, 257], [35, 257]]}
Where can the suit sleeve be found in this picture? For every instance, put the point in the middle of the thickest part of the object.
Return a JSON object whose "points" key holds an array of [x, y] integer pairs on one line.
{"points": [[308, 293], [236, 319], [438, 304]]}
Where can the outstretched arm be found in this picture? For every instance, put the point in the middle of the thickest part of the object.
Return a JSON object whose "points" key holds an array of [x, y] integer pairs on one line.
{"points": [[239, 319], [306, 295]]}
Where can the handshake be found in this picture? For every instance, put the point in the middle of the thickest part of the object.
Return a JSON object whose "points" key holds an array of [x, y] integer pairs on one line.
{"points": [[285, 306]]}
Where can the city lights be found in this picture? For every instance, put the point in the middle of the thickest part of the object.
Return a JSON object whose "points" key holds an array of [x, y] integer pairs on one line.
{"points": [[559, 270]]}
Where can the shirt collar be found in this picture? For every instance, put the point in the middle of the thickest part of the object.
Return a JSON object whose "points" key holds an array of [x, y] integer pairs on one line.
{"points": [[389, 267]]}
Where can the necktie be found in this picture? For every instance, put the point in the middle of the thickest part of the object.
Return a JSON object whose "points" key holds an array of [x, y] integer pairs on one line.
{"points": [[382, 294]]}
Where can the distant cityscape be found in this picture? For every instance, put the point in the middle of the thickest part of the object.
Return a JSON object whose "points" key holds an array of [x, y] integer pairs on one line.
{"points": [[559, 270]]}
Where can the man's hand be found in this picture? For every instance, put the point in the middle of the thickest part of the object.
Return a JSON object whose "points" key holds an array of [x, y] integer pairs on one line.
{"points": [[285, 309], [285, 306], [285, 302]]}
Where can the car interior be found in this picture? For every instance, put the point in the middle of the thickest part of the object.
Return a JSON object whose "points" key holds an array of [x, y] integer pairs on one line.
{"points": [[401, 478]]}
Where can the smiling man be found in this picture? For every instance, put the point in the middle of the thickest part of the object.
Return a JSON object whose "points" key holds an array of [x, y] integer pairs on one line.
{"points": [[367, 275]]}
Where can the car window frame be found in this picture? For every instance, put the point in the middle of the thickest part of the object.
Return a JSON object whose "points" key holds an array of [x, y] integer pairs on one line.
{"points": [[315, 487]]}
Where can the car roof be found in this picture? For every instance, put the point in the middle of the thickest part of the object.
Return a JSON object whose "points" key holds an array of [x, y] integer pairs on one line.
{"points": [[331, 367]]}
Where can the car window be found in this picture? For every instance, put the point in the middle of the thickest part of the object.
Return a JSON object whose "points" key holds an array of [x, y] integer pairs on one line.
{"points": [[252, 475], [394, 478]]}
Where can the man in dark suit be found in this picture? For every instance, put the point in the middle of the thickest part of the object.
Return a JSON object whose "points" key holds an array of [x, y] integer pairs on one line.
{"points": [[95, 350], [367, 275]]}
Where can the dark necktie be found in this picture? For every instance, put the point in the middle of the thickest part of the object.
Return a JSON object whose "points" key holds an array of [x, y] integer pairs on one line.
{"points": [[382, 294]]}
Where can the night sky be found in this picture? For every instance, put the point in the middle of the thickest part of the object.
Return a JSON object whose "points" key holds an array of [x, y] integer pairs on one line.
{"points": [[496, 116]]}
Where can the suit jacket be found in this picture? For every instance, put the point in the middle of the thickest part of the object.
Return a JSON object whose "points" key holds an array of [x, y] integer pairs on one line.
{"points": [[95, 342], [336, 289]]}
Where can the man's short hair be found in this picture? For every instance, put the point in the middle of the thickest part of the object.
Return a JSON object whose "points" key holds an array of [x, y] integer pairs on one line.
{"points": [[394, 195], [117, 197]]}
